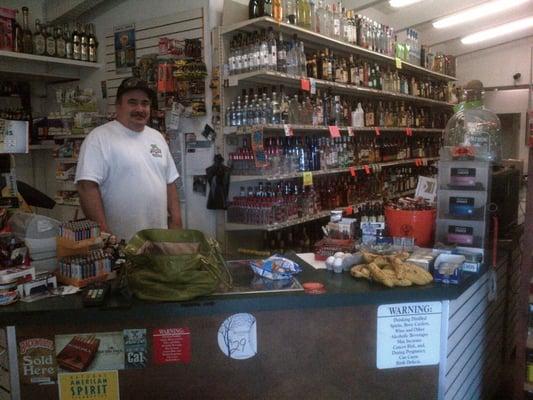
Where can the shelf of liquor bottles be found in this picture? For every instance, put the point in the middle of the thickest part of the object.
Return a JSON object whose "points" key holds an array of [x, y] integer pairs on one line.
{"points": [[264, 76], [43, 67], [316, 40], [308, 218], [355, 168], [246, 130]]}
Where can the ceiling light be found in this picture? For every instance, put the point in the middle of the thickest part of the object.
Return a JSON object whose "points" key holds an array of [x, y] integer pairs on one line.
{"points": [[402, 3], [477, 12], [501, 30]]}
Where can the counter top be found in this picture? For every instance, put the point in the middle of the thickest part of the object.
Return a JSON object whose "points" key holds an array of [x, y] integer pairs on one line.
{"points": [[341, 290]]}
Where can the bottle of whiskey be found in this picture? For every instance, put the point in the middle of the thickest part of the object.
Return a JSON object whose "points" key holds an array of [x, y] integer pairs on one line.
{"points": [[93, 44], [76, 42], [27, 36], [39, 43], [69, 50], [61, 46], [84, 42], [50, 42], [17, 42]]}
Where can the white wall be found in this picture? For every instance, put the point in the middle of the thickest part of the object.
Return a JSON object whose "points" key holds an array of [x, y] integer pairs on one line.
{"points": [[495, 67]]}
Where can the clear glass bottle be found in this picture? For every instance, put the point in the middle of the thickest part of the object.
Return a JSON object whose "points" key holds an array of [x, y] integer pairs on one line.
{"points": [[84, 43], [50, 42], [27, 36], [473, 132], [93, 44], [76, 42], [61, 47], [39, 43]]}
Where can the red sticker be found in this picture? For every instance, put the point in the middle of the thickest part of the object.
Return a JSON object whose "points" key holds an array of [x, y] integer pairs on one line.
{"points": [[353, 172], [305, 85], [334, 131], [171, 345], [378, 132], [348, 210], [367, 169], [409, 131], [350, 131]]}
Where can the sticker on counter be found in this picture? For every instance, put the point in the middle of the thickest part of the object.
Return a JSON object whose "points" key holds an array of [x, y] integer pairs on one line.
{"points": [[90, 352], [171, 345], [101, 385], [135, 348], [237, 336], [408, 334], [37, 360]]}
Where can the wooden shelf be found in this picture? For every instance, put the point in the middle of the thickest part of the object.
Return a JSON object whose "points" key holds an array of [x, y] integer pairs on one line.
{"points": [[264, 76], [315, 40], [271, 178], [42, 146], [36, 67]]}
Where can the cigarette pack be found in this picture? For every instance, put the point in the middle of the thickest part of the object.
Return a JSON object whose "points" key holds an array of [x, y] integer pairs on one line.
{"points": [[79, 353]]}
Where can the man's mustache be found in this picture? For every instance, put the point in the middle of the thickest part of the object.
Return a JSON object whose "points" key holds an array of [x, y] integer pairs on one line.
{"points": [[138, 114]]}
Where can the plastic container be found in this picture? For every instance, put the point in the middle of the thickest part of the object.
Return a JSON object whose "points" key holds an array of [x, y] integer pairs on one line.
{"points": [[419, 225]]}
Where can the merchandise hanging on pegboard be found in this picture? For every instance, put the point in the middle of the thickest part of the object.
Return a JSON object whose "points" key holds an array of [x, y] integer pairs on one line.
{"points": [[124, 38]]}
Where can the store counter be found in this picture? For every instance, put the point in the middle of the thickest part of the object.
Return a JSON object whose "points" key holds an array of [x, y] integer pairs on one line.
{"points": [[337, 345]]}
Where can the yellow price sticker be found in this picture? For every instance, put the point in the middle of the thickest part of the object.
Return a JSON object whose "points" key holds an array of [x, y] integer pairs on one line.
{"points": [[308, 178], [398, 63], [97, 385]]}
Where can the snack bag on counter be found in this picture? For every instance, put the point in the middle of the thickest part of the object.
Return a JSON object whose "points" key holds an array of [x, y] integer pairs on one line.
{"points": [[275, 268]]}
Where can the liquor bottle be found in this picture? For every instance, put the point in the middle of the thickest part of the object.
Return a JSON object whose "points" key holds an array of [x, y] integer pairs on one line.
{"points": [[253, 9], [61, 48], [17, 40], [69, 51], [273, 51], [76, 42], [277, 10], [291, 11], [358, 117], [93, 44], [84, 44], [27, 36], [281, 46], [50, 42], [39, 43], [267, 8]]}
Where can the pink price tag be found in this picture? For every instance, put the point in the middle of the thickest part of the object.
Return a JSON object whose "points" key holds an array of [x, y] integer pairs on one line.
{"points": [[367, 169], [350, 131], [288, 130], [334, 131], [353, 171], [409, 131], [305, 85], [378, 131]]}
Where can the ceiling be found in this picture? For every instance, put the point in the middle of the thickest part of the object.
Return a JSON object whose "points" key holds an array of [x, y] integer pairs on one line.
{"points": [[421, 15]]}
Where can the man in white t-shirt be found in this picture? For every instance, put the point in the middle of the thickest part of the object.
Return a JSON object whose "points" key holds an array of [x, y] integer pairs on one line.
{"points": [[126, 175]]}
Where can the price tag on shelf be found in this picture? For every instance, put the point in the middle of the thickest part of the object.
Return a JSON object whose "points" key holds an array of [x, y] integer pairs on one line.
{"points": [[367, 169], [350, 131], [348, 210], [308, 178], [409, 131], [378, 131], [305, 85], [312, 81], [233, 81], [288, 130], [398, 63], [334, 131], [353, 171]]}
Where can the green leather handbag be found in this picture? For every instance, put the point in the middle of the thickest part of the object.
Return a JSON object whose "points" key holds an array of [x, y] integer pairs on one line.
{"points": [[174, 265]]}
